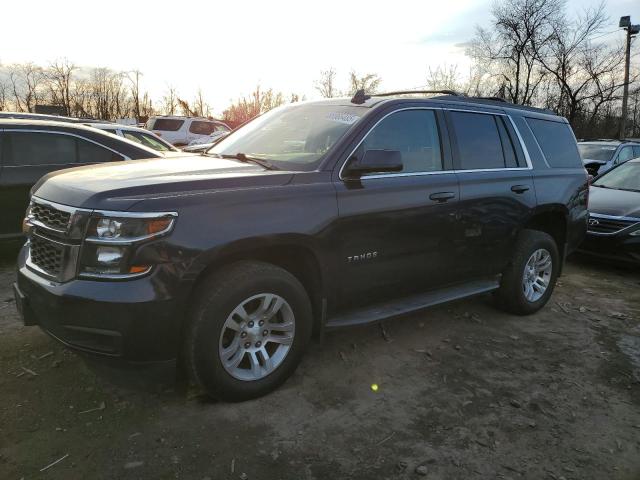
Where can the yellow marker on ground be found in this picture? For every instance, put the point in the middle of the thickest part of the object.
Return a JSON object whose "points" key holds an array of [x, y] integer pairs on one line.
{"points": [[374, 387]]}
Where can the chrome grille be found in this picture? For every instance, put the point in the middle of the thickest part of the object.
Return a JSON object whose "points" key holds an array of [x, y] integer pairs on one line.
{"points": [[50, 216], [47, 255], [608, 225]]}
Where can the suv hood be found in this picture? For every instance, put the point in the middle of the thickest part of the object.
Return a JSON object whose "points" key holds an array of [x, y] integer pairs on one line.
{"points": [[117, 186], [620, 203]]}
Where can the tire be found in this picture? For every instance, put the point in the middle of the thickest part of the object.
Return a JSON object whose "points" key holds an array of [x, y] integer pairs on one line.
{"points": [[511, 295], [218, 298]]}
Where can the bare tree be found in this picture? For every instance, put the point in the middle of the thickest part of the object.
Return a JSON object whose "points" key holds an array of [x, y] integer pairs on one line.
{"points": [[326, 84], [576, 65], [200, 106], [258, 102], [520, 29], [59, 81], [26, 82], [170, 101], [134, 78], [368, 82]]}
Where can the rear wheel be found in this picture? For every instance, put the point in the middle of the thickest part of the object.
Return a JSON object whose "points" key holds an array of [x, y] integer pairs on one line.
{"points": [[529, 280], [250, 325]]}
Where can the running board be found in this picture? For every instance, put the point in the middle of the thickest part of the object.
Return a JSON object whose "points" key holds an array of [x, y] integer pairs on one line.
{"points": [[413, 303]]}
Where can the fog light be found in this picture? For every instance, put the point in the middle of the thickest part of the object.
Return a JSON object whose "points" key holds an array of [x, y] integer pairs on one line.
{"points": [[108, 255]]}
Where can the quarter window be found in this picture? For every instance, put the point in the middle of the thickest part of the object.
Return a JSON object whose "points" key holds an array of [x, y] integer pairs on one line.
{"points": [[414, 133], [479, 144], [202, 128], [557, 143], [36, 148]]}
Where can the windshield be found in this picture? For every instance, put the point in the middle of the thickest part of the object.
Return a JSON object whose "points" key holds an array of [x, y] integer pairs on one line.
{"points": [[624, 177], [596, 152], [291, 137]]}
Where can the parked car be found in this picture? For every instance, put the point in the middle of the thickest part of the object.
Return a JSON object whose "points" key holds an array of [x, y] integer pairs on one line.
{"points": [[42, 116], [614, 214], [599, 156], [181, 131], [33, 148], [313, 216], [136, 134]]}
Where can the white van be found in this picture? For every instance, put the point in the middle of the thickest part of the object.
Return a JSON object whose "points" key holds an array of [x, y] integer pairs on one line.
{"points": [[183, 130]]}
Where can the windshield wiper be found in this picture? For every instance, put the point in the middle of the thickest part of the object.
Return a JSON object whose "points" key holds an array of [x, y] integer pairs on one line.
{"points": [[243, 157]]}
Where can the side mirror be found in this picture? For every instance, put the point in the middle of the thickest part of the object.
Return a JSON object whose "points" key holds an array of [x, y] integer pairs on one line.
{"points": [[375, 161]]}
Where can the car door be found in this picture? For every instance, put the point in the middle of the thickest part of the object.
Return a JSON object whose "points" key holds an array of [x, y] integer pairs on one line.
{"points": [[27, 156], [394, 229], [496, 189]]}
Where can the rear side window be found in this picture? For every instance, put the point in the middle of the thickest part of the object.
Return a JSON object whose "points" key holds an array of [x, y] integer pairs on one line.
{"points": [[414, 133], [557, 143], [168, 124], [35, 148], [89, 152], [202, 128], [636, 152], [478, 141], [626, 153]]}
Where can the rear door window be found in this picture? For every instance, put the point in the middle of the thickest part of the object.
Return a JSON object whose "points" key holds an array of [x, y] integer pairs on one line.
{"points": [[89, 152], [478, 141], [202, 128], [168, 124], [40, 148], [557, 143]]}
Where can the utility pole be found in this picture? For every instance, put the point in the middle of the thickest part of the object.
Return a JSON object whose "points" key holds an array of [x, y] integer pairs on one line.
{"points": [[625, 22]]}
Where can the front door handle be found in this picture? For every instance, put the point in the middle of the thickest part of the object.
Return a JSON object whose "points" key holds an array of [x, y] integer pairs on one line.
{"points": [[442, 197], [519, 188]]}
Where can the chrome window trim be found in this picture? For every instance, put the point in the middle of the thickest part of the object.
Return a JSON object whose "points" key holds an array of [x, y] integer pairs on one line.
{"points": [[57, 132], [440, 172]]}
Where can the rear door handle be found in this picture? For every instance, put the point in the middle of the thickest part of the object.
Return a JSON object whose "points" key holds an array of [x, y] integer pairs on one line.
{"points": [[442, 197], [519, 188]]}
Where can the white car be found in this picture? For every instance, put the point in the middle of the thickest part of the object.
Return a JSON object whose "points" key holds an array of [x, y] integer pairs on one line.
{"points": [[140, 135], [183, 130]]}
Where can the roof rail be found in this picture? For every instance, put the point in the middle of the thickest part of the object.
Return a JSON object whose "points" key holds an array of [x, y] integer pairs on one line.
{"points": [[407, 92], [496, 99]]}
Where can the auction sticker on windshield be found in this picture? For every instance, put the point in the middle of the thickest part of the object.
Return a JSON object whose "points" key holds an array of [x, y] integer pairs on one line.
{"points": [[341, 117]]}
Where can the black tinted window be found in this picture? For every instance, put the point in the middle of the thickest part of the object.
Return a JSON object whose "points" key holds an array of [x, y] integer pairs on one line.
{"points": [[508, 146], [202, 128], [167, 124], [479, 144], [31, 148], [414, 133], [89, 152], [557, 143]]}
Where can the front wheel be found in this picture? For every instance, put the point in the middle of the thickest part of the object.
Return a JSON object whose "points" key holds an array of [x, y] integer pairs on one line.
{"points": [[529, 280], [250, 325]]}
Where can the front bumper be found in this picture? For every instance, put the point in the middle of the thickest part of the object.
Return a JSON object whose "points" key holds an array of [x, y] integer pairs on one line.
{"points": [[137, 320], [621, 248]]}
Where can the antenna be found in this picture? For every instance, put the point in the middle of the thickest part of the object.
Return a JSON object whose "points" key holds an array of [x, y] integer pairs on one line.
{"points": [[360, 97]]}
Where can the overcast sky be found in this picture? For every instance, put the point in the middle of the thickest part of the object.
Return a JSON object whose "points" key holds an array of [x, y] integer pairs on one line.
{"points": [[227, 47]]}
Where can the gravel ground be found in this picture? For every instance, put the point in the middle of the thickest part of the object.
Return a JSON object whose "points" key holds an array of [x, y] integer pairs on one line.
{"points": [[463, 392]]}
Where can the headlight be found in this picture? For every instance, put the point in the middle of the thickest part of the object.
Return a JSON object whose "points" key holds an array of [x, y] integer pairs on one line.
{"points": [[112, 238], [130, 228]]}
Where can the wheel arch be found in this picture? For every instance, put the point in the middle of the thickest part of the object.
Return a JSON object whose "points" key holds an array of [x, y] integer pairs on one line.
{"points": [[554, 221], [297, 254]]}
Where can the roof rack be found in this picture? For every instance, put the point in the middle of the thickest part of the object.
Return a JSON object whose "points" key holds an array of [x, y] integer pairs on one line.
{"points": [[360, 96]]}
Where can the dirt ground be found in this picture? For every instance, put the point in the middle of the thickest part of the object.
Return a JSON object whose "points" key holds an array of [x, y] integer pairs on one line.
{"points": [[464, 392]]}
